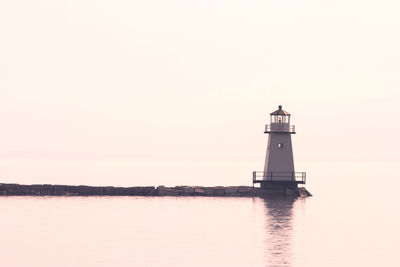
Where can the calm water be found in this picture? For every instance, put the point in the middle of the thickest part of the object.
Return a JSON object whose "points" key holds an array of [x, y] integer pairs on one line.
{"points": [[352, 220]]}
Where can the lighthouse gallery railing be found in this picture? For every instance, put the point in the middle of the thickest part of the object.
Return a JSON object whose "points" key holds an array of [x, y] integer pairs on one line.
{"points": [[260, 177], [280, 127]]}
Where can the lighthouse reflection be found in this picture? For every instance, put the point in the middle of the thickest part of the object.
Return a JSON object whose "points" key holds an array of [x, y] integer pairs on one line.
{"points": [[279, 231]]}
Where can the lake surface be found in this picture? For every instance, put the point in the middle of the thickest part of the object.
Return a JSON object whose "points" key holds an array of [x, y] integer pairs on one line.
{"points": [[352, 220]]}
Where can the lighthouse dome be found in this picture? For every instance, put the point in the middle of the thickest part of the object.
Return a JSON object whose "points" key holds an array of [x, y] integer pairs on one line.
{"points": [[280, 111]]}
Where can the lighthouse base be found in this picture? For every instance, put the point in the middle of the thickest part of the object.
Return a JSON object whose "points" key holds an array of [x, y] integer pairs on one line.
{"points": [[288, 188], [278, 184]]}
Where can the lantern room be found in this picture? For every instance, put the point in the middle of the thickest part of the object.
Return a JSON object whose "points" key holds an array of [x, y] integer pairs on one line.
{"points": [[280, 122], [280, 116]]}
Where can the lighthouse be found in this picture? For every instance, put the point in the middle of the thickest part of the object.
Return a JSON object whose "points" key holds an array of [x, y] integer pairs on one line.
{"points": [[279, 169]]}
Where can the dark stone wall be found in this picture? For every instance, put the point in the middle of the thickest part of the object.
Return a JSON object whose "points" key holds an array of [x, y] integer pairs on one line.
{"points": [[84, 190]]}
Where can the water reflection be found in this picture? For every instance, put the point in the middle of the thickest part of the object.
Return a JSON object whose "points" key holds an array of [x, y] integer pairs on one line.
{"points": [[279, 231]]}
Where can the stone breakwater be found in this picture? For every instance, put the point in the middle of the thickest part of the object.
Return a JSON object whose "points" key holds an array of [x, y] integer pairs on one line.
{"points": [[84, 190]]}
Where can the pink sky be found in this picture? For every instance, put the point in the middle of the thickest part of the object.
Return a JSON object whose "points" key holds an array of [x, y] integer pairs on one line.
{"points": [[189, 81]]}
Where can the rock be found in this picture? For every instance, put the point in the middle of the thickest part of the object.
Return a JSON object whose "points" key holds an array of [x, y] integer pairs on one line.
{"points": [[144, 191], [256, 191], [98, 191], [85, 190], [166, 191], [72, 189], [108, 190], [22, 190], [117, 191], [121, 191], [131, 191], [208, 191], [149, 191], [231, 189], [244, 189], [11, 189], [188, 190], [48, 189], [137, 191], [199, 191], [219, 192], [59, 190], [10, 186], [303, 192], [180, 190]]}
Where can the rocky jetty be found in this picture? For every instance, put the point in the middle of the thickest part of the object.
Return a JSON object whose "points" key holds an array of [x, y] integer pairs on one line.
{"points": [[84, 190]]}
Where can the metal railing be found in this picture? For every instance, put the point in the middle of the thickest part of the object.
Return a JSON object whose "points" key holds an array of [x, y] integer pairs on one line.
{"points": [[289, 129], [298, 177]]}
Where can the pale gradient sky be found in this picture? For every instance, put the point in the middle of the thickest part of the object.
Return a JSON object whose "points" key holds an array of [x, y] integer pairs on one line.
{"points": [[193, 81]]}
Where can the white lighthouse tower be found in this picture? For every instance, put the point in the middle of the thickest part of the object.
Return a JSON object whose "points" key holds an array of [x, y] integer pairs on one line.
{"points": [[279, 165]]}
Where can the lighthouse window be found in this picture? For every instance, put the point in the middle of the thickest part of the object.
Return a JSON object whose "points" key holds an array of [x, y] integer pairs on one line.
{"points": [[280, 145]]}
